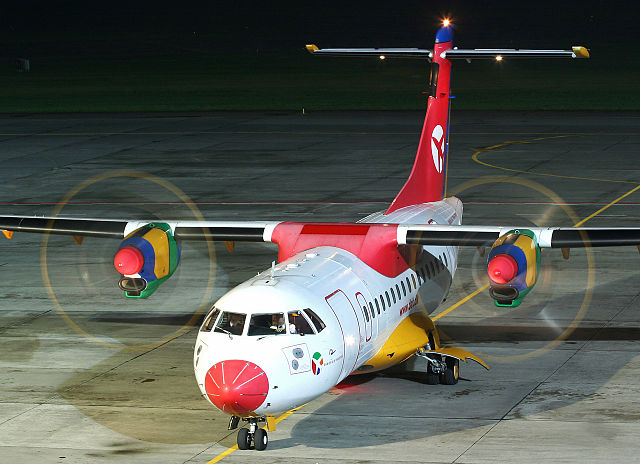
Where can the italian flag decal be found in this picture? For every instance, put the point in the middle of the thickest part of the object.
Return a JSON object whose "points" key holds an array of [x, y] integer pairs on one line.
{"points": [[316, 362]]}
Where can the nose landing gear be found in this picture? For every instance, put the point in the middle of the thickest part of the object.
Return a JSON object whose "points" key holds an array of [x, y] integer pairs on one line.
{"points": [[253, 434]]}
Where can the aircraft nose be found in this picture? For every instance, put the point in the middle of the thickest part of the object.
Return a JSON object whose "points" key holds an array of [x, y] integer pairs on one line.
{"points": [[236, 387]]}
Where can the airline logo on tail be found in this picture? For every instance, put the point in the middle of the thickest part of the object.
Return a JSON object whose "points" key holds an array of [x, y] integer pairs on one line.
{"points": [[437, 147]]}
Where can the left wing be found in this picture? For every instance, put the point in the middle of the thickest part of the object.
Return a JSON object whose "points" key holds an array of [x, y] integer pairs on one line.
{"points": [[546, 237]]}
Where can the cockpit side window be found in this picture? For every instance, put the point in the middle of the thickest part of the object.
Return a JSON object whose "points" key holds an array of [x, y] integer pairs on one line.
{"points": [[231, 323], [210, 320], [315, 320], [268, 324], [298, 324]]}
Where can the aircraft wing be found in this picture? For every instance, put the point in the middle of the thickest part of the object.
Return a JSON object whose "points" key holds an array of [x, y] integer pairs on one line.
{"points": [[547, 237], [261, 231], [247, 231]]}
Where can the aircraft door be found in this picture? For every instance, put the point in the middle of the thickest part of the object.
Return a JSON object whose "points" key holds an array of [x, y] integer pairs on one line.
{"points": [[364, 308], [348, 320]]}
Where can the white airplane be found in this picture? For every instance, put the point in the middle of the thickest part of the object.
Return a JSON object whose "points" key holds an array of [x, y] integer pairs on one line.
{"points": [[344, 298]]}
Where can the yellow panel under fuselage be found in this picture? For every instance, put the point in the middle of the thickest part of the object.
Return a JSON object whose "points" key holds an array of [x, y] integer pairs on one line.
{"points": [[410, 334]]}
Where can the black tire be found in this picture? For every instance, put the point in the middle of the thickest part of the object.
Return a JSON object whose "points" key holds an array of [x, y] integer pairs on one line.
{"points": [[260, 440], [244, 439], [451, 374], [432, 377]]}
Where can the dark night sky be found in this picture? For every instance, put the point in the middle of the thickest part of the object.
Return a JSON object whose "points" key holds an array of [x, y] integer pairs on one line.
{"points": [[215, 26]]}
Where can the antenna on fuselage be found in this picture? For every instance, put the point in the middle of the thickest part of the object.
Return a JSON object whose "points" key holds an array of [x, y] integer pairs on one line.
{"points": [[273, 268]]}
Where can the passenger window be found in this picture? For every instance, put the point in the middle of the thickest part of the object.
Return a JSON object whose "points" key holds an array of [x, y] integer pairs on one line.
{"points": [[404, 290], [408, 285], [298, 324], [231, 323], [366, 313], [210, 321], [413, 278], [373, 314], [398, 292], [382, 303], [267, 324], [388, 299], [315, 320], [393, 295], [444, 255], [377, 306]]}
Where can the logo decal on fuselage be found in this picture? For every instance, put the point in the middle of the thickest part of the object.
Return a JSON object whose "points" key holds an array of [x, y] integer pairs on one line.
{"points": [[437, 147], [316, 362]]}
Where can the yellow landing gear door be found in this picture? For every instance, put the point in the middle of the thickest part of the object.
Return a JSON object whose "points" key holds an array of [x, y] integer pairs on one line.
{"points": [[457, 353]]}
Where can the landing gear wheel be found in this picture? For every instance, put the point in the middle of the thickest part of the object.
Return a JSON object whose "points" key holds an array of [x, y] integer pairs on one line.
{"points": [[432, 377], [244, 439], [260, 439], [452, 372]]}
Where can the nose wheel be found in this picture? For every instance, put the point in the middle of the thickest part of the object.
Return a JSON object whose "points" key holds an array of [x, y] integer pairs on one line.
{"points": [[254, 435]]}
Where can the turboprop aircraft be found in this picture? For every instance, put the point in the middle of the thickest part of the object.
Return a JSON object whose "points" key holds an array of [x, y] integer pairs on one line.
{"points": [[343, 298]]}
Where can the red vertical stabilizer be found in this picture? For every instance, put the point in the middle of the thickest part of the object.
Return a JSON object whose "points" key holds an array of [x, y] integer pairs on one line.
{"points": [[426, 182]]}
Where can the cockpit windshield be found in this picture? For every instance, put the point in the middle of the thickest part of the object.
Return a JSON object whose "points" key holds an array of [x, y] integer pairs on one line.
{"points": [[299, 323], [231, 323], [268, 324], [210, 320]]}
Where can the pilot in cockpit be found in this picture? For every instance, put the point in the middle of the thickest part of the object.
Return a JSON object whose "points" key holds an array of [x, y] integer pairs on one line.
{"points": [[277, 323]]}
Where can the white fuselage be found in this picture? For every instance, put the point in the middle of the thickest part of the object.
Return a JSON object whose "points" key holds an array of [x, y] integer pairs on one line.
{"points": [[359, 309]]}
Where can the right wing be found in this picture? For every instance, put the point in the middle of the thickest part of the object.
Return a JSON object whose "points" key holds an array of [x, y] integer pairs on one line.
{"points": [[242, 231]]}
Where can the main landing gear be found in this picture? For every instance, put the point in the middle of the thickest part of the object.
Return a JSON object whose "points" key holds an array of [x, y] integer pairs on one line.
{"points": [[441, 369], [253, 434]]}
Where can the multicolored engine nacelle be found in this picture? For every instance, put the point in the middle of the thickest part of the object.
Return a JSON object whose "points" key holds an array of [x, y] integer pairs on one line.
{"points": [[513, 265], [146, 257]]}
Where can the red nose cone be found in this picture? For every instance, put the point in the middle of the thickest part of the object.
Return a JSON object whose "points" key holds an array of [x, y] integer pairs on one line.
{"points": [[128, 260], [236, 387], [502, 268]]}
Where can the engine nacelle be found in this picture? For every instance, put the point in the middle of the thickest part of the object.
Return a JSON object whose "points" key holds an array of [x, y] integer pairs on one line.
{"points": [[513, 265], [146, 257]]}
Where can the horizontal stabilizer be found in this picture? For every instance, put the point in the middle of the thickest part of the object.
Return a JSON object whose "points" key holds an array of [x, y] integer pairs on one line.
{"points": [[498, 54], [377, 52]]}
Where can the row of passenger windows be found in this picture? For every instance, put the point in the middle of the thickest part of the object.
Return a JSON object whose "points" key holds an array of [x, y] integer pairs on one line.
{"points": [[425, 272], [305, 322]]}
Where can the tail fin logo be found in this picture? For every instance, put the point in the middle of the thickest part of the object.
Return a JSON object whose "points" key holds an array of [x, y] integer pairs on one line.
{"points": [[437, 147]]}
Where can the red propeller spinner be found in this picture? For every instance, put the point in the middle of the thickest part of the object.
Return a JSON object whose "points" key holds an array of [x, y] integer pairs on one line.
{"points": [[128, 260], [502, 268]]}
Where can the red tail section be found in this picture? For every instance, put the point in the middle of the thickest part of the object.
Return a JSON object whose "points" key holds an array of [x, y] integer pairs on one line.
{"points": [[426, 182]]}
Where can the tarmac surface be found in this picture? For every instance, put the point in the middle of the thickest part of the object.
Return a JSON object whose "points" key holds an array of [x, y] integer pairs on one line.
{"points": [[88, 376]]}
